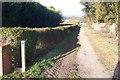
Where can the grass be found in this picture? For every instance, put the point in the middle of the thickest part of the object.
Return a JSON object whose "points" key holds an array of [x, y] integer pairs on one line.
{"points": [[105, 47]]}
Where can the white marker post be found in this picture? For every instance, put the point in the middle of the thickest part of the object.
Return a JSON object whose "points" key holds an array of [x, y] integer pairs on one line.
{"points": [[23, 55]]}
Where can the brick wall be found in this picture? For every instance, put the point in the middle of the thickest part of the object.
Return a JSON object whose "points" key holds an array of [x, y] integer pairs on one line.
{"points": [[1, 68], [5, 60]]}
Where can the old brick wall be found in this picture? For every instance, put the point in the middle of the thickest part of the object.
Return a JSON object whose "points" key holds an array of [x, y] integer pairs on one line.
{"points": [[1, 68], [5, 59]]}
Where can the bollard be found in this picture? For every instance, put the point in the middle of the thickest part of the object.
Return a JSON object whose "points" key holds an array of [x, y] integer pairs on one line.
{"points": [[23, 55], [5, 60]]}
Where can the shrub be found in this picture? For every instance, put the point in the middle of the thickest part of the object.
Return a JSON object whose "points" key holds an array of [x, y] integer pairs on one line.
{"points": [[32, 14]]}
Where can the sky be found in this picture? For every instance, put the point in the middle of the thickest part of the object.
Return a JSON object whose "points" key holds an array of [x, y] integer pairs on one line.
{"points": [[67, 7]]}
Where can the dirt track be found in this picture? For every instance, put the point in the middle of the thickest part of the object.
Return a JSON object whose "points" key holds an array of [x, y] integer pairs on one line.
{"points": [[89, 65]]}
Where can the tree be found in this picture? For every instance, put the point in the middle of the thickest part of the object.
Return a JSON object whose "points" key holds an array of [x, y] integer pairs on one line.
{"points": [[101, 11], [90, 12], [111, 12]]}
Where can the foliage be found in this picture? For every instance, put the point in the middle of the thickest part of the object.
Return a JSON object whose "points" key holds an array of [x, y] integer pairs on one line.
{"points": [[13, 33], [34, 71], [100, 11], [16, 35], [29, 14], [111, 12]]}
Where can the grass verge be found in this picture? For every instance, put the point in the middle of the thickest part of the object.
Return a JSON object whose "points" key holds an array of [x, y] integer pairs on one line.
{"points": [[105, 47]]}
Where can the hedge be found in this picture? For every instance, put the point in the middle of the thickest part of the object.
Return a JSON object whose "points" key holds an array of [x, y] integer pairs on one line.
{"points": [[38, 41]]}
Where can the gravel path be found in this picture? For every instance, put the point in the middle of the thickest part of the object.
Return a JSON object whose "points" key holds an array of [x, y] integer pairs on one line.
{"points": [[89, 65]]}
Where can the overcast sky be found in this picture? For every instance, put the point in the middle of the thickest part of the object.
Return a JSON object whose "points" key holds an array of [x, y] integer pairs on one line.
{"points": [[67, 7]]}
